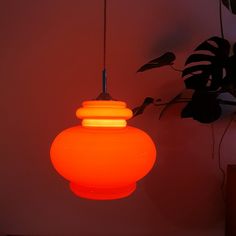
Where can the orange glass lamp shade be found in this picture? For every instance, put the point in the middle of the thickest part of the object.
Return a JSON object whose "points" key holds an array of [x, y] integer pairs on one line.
{"points": [[104, 158]]}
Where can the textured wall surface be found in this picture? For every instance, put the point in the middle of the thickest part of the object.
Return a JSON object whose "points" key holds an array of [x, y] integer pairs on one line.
{"points": [[51, 60]]}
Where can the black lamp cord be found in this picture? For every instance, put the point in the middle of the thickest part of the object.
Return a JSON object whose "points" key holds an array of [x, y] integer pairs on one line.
{"points": [[228, 125], [221, 21], [104, 95], [104, 73], [219, 156]]}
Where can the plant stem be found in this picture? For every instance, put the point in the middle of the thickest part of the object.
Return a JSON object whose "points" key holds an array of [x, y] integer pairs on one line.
{"points": [[168, 103], [175, 69]]}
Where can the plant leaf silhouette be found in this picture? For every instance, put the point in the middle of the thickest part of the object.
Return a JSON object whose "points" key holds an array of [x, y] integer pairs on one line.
{"points": [[204, 107], [204, 71], [140, 109], [164, 60]]}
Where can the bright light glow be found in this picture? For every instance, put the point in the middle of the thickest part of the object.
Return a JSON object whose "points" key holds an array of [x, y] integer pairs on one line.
{"points": [[104, 123], [104, 160], [104, 109]]}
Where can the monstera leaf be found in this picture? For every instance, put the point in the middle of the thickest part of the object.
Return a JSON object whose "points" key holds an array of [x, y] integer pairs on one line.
{"points": [[204, 70], [209, 71], [164, 60], [231, 5], [204, 107]]}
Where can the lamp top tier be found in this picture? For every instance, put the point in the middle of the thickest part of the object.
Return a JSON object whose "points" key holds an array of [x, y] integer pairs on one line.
{"points": [[104, 113]]}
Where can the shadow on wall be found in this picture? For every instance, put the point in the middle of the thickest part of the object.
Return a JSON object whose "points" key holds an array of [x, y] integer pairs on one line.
{"points": [[182, 35]]}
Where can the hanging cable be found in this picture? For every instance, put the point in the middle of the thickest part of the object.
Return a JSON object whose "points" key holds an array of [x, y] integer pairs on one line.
{"points": [[219, 156], [230, 6], [221, 21], [104, 73], [104, 95], [104, 33]]}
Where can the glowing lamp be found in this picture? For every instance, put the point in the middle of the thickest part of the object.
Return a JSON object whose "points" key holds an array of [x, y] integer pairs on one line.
{"points": [[103, 158]]}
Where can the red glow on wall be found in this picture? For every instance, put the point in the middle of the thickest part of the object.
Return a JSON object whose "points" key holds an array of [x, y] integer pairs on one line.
{"points": [[103, 158]]}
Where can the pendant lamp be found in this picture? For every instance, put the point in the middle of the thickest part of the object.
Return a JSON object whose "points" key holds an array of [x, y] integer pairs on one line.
{"points": [[103, 158]]}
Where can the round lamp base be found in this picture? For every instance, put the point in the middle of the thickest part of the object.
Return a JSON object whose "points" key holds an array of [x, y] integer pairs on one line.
{"points": [[102, 193]]}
